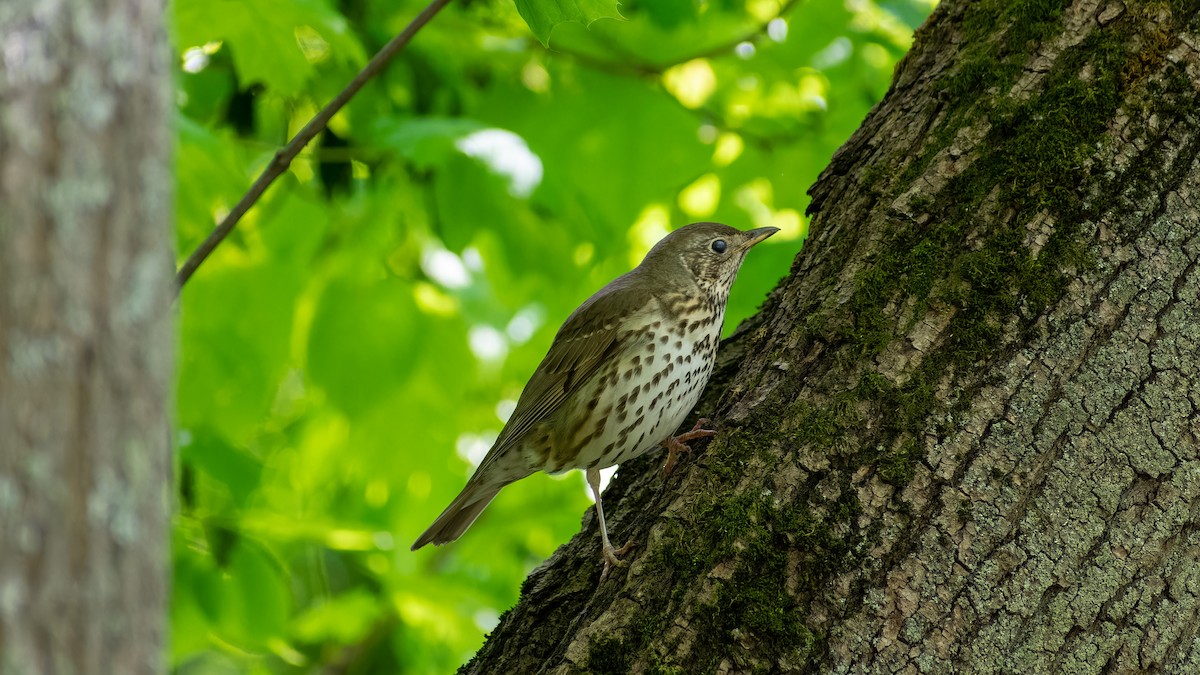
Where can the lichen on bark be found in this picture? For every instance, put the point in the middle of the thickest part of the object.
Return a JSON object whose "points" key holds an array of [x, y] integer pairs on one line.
{"points": [[86, 341]]}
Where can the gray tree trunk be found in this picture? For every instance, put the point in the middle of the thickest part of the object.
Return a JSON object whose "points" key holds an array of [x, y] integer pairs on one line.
{"points": [[964, 434], [86, 341]]}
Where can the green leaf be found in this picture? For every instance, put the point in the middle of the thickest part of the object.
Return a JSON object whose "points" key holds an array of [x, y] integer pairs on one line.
{"points": [[424, 141], [245, 603], [344, 619], [543, 15], [275, 42], [236, 324], [256, 596], [221, 541], [490, 205], [191, 613], [210, 177], [235, 469], [670, 13], [363, 341]]}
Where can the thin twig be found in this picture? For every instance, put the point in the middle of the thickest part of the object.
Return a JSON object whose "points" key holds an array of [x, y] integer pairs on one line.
{"points": [[284, 157], [323, 155]]}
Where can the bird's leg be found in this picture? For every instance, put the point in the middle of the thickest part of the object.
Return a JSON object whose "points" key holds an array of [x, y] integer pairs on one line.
{"points": [[610, 552], [678, 444]]}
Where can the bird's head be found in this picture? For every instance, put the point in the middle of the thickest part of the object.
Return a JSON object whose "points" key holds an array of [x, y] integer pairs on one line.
{"points": [[711, 253]]}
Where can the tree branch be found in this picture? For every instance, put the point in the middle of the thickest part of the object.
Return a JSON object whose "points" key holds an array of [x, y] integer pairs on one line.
{"points": [[282, 159]]}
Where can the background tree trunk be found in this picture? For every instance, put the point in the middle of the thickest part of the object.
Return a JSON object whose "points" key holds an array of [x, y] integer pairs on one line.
{"points": [[86, 342], [963, 434]]}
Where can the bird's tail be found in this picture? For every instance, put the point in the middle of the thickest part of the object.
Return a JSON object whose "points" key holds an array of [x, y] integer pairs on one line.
{"points": [[457, 517]]}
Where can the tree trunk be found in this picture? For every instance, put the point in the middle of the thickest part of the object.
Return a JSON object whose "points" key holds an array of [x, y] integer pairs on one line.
{"points": [[86, 341], [962, 435]]}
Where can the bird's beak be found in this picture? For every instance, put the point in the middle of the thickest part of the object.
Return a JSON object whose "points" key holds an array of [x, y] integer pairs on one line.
{"points": [[757, 235]]}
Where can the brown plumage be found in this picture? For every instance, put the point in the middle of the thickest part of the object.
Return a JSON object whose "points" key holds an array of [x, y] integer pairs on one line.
{"points": [[622, 373]]}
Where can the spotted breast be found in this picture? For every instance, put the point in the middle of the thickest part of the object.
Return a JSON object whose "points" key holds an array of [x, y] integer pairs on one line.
{"points": [[642, 395]]}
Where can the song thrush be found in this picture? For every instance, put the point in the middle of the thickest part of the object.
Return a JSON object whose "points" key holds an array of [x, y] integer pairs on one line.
{"points": [[622, 374]]}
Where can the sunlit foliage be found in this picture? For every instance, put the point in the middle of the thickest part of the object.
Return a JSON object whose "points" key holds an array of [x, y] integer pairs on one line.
{"points": [[354, 347]]}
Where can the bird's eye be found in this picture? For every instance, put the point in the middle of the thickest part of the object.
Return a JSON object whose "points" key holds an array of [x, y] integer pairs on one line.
{"points": [[719, 246]]}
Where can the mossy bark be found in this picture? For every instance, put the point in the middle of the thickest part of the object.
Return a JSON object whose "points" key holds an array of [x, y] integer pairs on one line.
{"points": [[964, 434], [86, 342]]}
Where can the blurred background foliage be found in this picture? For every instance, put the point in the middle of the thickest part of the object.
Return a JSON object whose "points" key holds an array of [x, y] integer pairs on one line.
{"points": [[353, 348]]}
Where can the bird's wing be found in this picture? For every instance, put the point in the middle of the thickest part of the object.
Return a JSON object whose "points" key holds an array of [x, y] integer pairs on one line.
{"points": [[586, 341]]}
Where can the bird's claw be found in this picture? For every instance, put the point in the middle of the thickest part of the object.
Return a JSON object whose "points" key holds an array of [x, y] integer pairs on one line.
{"points": [[678, 444], [610, 557]]}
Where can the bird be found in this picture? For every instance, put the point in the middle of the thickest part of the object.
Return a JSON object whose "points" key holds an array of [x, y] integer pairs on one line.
{"points": [[622, 374]]}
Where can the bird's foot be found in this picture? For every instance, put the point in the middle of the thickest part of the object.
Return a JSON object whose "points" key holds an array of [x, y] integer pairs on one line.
{"points": [[678, 444], [611, 558]]}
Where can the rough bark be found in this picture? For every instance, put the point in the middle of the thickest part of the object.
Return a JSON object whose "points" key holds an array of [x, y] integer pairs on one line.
{"points": [[85, 336], [963, 435]]}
